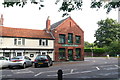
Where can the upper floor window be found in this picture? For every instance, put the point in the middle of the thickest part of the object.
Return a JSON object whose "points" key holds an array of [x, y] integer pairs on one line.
{"points": [[61, 38], [78, 39], [70, 38], [19, 41], [43, 42]]}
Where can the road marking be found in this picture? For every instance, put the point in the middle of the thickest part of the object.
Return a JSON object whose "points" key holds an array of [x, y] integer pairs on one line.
{"points": [[24, 72], [110, 68], [49, 72], [8, 75], [71, 71], [117, 66], [106, 66], [97, 68]]}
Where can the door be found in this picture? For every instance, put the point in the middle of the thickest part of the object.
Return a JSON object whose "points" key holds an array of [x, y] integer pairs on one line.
{"points": [[70, 54]]}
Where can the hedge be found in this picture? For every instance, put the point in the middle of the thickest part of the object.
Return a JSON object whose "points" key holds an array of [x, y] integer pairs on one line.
{"points": [[96, 50]]}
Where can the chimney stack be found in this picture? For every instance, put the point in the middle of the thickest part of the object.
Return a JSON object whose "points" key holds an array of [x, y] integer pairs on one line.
{"points": [[48, 24], [1, 20]]}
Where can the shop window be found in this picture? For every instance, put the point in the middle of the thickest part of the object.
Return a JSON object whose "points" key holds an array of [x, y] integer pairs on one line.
{"points": [[61, 38], [70, 38], [6, 54], [19, 41], [61, 53], [78, 39], [19, 54], [78, 52]]}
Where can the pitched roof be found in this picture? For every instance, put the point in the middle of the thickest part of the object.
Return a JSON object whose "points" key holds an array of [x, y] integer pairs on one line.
{"points": [[53, 26], [20, 32]]}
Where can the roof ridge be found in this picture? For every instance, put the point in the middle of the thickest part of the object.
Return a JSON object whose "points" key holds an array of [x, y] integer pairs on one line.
{"points": [[21, 28], [58, 23]]}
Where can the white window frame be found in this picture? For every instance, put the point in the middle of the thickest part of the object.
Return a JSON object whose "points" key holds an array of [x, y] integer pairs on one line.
{"points": [[43, 42], [19, 41]]}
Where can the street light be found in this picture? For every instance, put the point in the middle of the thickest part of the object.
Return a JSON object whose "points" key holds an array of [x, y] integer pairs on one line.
{"points": [[92, 51]]}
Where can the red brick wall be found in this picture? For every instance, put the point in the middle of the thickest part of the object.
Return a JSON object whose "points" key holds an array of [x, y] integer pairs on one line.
{"points": [[68, 26]]}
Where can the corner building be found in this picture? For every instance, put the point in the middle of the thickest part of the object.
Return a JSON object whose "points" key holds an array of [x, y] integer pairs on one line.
{"points": [[69, 40]]}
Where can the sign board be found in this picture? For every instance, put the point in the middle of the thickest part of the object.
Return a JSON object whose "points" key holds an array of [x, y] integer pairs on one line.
{"points": [[68, 45]]}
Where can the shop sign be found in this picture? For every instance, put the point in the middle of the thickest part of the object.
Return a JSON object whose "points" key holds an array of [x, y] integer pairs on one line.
{"points": [[68, 45]]}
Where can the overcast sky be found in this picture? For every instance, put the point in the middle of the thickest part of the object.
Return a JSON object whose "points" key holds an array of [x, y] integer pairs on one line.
{"points": [[31, 17]]}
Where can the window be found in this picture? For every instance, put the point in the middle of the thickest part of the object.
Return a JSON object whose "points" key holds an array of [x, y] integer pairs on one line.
{"points": [[70, 38], [78, 39], [61, 53], [43, 42], [78, 52], [61, 38], [6, 54], [19, 53], [19, 41]]}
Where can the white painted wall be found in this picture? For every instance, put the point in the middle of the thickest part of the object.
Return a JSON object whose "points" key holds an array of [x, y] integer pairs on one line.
{"points": [[29, 43]]}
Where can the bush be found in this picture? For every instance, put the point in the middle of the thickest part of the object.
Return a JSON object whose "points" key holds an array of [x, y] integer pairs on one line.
{"points": [[96, 50]]}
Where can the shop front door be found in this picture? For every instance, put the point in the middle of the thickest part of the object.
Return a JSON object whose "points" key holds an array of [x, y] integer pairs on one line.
{"points": [[70, 54]]}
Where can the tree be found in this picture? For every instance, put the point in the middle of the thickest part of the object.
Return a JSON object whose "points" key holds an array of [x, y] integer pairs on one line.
{"points": [[88, 45], [108, 31], [114, 48], [67, 5]]}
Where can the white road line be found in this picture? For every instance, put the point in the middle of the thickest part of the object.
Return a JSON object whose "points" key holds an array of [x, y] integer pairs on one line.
{"points": [[110, 68], [71, 71], [24, 72], [117, 66], [8, 75], [49, 72], [97, 68], [106, 66], [37, 74]]}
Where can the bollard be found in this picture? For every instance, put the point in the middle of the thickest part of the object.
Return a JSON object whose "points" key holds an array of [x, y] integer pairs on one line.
{"points": [[60, 74], [108, 56], [117, 56]]}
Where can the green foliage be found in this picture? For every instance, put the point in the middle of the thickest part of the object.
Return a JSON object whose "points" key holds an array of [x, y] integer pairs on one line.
{"points": [[109, 6], [88, 45], [108, 31], [67, 6], [95, 51], [113, 48]]}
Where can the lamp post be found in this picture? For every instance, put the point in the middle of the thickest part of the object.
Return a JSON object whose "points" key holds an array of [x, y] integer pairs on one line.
{"points": [[92, 51]]}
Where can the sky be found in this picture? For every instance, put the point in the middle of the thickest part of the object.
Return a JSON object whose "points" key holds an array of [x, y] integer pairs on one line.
{"points": [[32, 18]]}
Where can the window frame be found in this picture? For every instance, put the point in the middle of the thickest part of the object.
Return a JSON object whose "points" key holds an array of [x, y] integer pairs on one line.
{"points": [[43, 42], [62, 39], [78, 55], [70, 38], [62, 55], [19, 41], [76, 41]]}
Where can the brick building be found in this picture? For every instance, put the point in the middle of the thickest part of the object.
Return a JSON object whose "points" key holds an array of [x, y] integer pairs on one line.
{"points": [[69, 40]]}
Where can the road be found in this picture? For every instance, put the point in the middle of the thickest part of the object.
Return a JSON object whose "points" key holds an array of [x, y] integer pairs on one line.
{"points": [[92, 68]]}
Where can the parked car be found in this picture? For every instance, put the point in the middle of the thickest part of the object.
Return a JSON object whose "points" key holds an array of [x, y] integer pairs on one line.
{"points": [[4, 62], [43, 60], [20, 61]]}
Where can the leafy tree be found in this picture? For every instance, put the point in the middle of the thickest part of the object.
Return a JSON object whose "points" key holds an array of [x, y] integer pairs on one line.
{"points": [[88, 45], [67, 5], [108, 31], [114, 48]]}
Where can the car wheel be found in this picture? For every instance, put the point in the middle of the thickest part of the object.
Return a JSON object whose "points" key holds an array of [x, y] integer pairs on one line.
{"points": [[51, 64], [10, 67], [24, 66], [48, 65], [35, 65]]}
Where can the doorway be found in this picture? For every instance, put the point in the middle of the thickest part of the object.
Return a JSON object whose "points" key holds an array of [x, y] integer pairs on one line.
{"points": [[70, 54]]}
